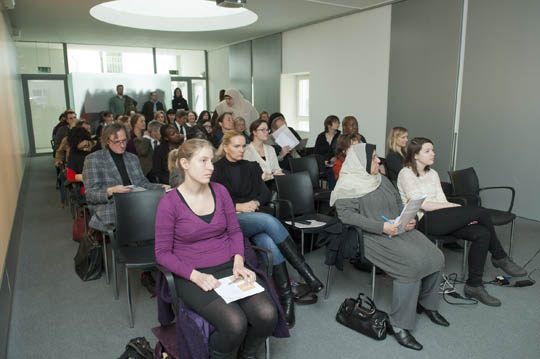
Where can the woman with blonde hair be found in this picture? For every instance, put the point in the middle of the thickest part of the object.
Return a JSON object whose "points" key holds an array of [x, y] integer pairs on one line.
{"points": [[396, 146], [160, 117], [199, 240]]}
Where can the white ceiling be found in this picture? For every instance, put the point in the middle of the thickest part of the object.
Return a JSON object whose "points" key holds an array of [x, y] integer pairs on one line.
{"points": [[69, 21]]}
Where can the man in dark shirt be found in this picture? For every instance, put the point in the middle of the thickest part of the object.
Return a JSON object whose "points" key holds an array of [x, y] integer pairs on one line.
{"points": [[152, 106]]}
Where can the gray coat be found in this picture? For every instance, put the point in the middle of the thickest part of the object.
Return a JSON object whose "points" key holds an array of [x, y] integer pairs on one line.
{"points": [[100, 173], [407, 257]]}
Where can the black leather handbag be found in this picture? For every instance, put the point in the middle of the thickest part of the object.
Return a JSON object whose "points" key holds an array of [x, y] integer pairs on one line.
{"points": [[362, 315], [89, 258]]}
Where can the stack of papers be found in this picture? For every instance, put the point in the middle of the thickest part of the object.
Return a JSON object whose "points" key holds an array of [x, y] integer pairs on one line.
{"points": [[284, 137], [231, 290], [311, 224]]}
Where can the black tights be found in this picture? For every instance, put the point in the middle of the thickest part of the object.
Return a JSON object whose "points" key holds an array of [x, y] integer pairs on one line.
{"points": [[250, 318], [454, 221]]}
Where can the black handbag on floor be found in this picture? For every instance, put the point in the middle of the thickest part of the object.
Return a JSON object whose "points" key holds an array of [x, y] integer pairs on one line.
{"points": [[138, 348], [365, 319], [89, 258]]}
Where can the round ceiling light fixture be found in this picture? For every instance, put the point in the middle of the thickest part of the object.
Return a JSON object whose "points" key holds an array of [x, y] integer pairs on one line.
{"points": [[172, 15]]}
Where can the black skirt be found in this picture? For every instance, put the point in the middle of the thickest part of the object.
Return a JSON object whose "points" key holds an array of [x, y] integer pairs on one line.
{"points": [[193, 296]]}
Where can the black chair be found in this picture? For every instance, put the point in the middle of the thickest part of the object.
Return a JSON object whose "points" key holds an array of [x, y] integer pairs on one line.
{"points": [[311, 165], [133, 244], [296, 204], [465, 183], [173, 291]]}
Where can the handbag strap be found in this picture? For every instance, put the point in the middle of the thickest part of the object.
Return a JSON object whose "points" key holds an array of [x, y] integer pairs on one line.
{"points": [[362, 297]]}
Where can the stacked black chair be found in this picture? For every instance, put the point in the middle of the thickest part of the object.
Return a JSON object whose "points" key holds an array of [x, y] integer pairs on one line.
{"points": [[466, 184], [133, 244]]}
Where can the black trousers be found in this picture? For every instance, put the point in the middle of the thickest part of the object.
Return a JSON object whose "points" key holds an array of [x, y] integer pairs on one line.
{"points": [[455, 221]]}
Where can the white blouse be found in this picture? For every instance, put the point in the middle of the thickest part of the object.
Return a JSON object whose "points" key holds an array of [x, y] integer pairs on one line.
{"points": [[270, 165], [410, 185]]}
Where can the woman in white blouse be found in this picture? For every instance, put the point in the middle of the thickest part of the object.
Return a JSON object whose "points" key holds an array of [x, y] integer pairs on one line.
{"points": [[261, 153], [446, 218]]}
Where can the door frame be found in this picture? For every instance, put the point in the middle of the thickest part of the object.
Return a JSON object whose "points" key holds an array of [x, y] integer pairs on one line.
{"points": [[28, 110]]}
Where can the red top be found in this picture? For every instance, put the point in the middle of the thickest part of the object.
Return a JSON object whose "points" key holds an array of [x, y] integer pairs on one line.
{"points": [[337, 166], [71, 178]]}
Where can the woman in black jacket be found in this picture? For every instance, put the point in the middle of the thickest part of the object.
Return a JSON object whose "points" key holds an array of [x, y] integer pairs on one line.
{"points": [[325, 145], [178, 101], [170, 139], [243, 180], [396, 147]]}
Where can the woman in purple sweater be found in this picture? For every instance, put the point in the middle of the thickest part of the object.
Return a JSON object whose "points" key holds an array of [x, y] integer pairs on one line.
{"points": [[198, 238]]}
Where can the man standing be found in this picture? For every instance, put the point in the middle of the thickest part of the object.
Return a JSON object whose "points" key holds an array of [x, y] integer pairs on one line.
{"points": [[152, 106], [146, 144], [121, 104]]}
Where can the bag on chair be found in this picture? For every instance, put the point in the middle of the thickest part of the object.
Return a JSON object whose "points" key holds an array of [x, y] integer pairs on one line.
{"points": [[365, 319], [89, 258]]}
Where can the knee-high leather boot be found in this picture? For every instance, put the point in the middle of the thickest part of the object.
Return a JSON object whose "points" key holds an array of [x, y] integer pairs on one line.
{"points": [[284, 291], [290, 252], [250, 347], [214, 354]]}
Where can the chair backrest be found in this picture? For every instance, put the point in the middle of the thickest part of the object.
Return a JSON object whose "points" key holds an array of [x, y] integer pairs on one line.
{"points": [[298, 189], [465, 182], [309, 164], [136, 215]]}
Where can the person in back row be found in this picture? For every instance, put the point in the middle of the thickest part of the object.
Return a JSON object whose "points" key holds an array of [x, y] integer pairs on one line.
{"points": [[275, 122], [395, 152], [108, 171], [146, 145], [170, 139], [344, 142], [350, 127], [446, 218], [326, 146], [224, 124], [199, 240], [152, 106], [243, 180], [235, 103], [363, 197]]}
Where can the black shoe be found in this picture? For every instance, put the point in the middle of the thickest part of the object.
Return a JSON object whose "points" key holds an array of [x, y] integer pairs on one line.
{"points": [[433, 315], [289, 251], [214, 354], [405, 338], [284, 291], [148, 282], [250, 348]]}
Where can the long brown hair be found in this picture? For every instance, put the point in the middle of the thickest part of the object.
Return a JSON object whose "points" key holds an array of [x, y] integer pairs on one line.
{"points": [[414, 147]]}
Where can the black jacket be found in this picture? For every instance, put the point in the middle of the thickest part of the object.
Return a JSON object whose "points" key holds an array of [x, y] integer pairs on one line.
{"points": [[148, 110], [327, 151], [342, 242], [179, 103]]}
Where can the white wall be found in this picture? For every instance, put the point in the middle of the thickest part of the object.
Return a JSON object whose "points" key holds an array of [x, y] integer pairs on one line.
{"points": [[218, 74], [347, 60], [30, 55]]}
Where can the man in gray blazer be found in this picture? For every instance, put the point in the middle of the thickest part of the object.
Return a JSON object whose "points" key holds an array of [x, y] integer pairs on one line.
{"points": [[146, 144], [108, 171]]}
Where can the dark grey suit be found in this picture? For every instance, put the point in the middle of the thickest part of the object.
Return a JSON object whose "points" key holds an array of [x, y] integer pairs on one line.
{"points": [[100, 173]]}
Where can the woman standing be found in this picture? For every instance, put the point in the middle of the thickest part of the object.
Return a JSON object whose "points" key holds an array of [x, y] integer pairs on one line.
{"points": [[178, 101], [446, 218], [395, 151], [235, 103], [198, 238], [362, 197]]}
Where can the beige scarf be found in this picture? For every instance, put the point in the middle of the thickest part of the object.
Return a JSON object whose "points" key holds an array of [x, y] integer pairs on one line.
{"points": [[240, 108]]}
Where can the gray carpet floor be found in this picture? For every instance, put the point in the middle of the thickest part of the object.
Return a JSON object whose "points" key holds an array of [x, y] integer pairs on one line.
{"points": [[56, 315]]}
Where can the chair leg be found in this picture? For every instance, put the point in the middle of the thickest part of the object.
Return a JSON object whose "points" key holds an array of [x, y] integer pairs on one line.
{"points": [[106, 258], [465, 259], [115, 274], [327, 290], [130, 305], [267, 348], [302, 243], [311, 244], [511, 238], [373, 273]]}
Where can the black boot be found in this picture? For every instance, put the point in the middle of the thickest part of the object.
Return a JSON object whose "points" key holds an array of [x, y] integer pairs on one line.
{"points": [[250, 347], [289, 251], [284, 291], [214, 354]]}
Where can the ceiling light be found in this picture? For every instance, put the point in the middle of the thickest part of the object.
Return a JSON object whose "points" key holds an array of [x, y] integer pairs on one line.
{"points": [[231, 3], [173, 15]]}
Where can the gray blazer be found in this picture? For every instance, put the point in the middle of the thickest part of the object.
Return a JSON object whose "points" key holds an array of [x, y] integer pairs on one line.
{"points": [[100, 173]]}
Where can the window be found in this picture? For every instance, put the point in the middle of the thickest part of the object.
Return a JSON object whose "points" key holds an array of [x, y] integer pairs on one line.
{"points": [[185, 63], [40, 58], [302, 102], [109, 59]]}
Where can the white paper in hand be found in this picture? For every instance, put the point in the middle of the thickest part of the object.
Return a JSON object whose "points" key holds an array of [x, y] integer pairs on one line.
{"points": [[409, 211], [284, 137]]}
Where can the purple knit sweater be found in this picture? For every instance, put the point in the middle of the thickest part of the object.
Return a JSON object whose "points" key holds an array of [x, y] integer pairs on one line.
{"points": [[185, 242]]}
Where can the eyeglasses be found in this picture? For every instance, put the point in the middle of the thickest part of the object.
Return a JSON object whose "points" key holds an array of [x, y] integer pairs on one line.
{"points": [[267, 130], [119, 142]]}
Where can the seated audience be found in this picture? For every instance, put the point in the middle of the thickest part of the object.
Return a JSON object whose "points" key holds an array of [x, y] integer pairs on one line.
{"points": [[261, 153], [263, 115], [138, 125], [350, 126], [146, 144], [362, 196], [243, 180], [240, 126], [344, 142], [224, 124], [180, 124], [446, 218], [108, 171], [206, 125], [170, 139], [106, 118], [204, 115], [160, 117], [80, 144], [152, 106], [178, 101], [275, 121], [171, 115], [199, 240], [126, 121], [326, 146], [191, 118], [235, 103], [395, 152], [62, 131]]}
